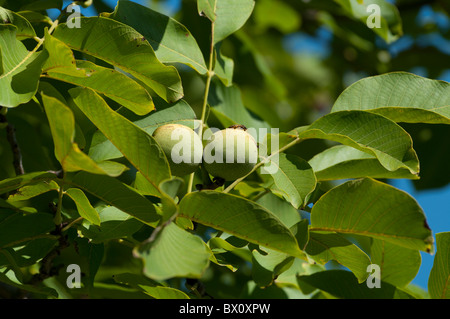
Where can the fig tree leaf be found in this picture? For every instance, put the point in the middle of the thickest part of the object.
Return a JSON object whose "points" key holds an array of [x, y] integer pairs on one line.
{"points": [[399, 96], [371, 208]]}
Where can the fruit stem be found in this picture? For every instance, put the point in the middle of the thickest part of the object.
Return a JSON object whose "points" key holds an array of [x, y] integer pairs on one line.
{"points": [[232, 185], [209, 77]]}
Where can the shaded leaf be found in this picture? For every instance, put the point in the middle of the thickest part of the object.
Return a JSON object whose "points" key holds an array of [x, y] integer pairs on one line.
{"points": [[325, 247], [123, 47], [170, 255], [371, 208], [171, 40], [439, 280], [67, 152], [115, 193], [294, 178], [398, 265], [21, 69], [112, 84], [367, 132], [343, 284], [400, 96], [84, 207], [24, 28], [142, 151], [241, 218], [342, 162]]}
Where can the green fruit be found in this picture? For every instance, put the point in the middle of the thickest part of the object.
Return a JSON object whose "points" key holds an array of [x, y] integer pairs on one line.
{"points": [[182, 147], [84, 4], [232, 153]]}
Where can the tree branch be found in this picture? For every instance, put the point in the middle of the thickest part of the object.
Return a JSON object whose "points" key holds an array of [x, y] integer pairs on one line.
{"points": [[11, 137]]}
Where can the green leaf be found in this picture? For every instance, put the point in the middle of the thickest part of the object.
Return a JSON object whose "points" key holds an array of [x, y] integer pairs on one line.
{"points": [[343, 284], [114, 224], [61, 58], [46, 291], [276, 14], [226, 104], [268, 265], [398, 265], [342, 162], [367, 132], [18, 228], [223, 67], [30, 191], [67, 152], [399, 96], [172, 41], [325, 247], [112, 84], [170, 255], [231, 15], [439, 280], [371, 208], [287, 214], [142, 151], [43, 5], [101, 38], [115, 193], [294, 178], [390, 24], [161, 292], [180, 113], [150, 287], [21, 69], [24, 28], [14, 183], [207, 8], [84, 207], [241, 218]]}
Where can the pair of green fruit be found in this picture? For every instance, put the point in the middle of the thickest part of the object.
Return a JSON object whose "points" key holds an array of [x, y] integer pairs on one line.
{"points": [[229, 154]]}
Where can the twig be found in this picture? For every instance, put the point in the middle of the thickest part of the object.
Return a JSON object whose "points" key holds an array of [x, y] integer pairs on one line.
{"points": [[12, 140], [210, 75]]}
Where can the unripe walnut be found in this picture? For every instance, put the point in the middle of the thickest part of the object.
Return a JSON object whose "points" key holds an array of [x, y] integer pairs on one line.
{"points": [[182, 146], [232, 153]]}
